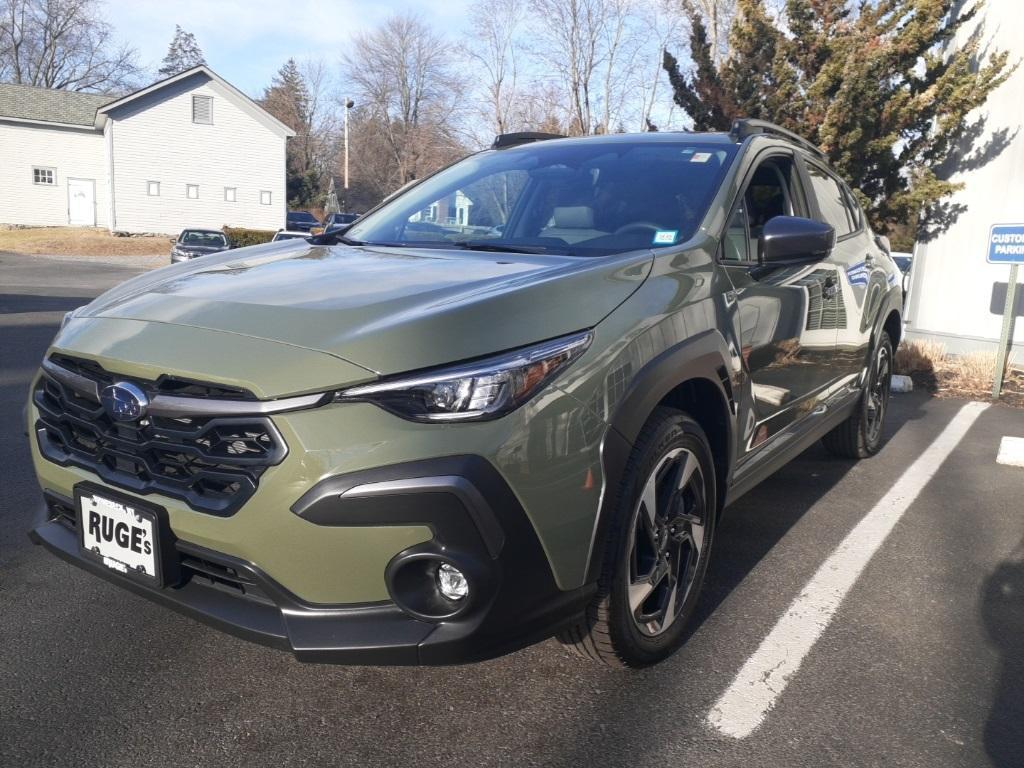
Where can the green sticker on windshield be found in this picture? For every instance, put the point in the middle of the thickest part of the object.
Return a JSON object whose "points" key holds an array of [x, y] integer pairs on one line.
{"points": [[665, 236]]}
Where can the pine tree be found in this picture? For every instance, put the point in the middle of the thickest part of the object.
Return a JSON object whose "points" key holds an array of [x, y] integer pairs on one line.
{"points": [[183, 53], [288, 99], [874, 85]]}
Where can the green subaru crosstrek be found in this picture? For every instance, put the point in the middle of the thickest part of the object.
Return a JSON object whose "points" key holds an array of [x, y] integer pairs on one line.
{"points": [[511, 402]]}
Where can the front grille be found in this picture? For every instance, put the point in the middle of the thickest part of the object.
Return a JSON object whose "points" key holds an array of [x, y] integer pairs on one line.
{"points": [[213, 463]]}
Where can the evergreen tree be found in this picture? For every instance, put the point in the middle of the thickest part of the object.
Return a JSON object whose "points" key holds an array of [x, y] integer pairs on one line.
{"points": [[183, 53], [872, 84], [288, 99]]}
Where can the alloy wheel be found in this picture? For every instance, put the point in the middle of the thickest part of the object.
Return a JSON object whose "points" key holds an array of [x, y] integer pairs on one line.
{"points": [[878, 393], [666, 541]]}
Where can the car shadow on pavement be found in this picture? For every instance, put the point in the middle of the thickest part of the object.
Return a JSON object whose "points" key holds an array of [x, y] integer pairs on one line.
{"points": [[1002, 609], [752, 526], [749, 531]]}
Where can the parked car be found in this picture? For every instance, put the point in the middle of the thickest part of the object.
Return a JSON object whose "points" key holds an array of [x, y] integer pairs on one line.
{"points": [[284, 234], [904, 261], [301, 221], [334, 220], [406, 445], [197, 242]]}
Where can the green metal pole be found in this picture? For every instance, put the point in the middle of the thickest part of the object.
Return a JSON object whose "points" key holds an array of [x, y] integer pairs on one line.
{"points": [[1004, 337]]}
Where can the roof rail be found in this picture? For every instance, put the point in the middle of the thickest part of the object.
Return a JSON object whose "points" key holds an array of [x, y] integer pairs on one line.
{"points": [[506, 140], [744, 127]]}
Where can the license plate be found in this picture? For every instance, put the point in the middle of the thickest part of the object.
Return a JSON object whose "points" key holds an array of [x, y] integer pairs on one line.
{"points": [[120, 535]]}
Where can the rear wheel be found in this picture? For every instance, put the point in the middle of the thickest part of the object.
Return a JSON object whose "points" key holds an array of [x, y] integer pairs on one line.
{"points": [[860, 435], [658, 550]]}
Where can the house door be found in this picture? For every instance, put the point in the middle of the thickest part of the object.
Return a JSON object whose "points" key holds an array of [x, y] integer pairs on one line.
{"points": [[82, 202]]}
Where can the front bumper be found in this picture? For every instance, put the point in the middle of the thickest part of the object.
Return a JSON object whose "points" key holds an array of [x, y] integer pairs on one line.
{"points": [[478, 524]]}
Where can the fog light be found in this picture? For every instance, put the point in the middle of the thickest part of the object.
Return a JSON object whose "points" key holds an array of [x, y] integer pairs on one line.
{"points": [[451, 582]]}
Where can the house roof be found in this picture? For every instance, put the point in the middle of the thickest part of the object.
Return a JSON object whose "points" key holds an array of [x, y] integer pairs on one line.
{"points": [[46, 105], [27, 103]]}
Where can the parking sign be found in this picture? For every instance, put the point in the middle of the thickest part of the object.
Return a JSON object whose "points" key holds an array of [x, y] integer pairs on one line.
{"points": [[1006, 244]]}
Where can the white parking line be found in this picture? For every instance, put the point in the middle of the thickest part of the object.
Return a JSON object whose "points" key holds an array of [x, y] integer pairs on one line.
{"points": [[753, 692], [1011, 451]]}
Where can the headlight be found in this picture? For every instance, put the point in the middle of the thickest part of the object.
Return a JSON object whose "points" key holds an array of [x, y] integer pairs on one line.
{"points": [[477, 391]]}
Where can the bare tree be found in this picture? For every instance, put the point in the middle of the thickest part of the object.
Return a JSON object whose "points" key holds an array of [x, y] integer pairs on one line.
{"points": [[63, 44], [568, 34], [664, 24], [402, 74], [593, 50], [494, 56]]}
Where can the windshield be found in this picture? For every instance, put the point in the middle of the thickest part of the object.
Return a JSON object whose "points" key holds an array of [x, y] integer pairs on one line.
{"points": [[207, 239], [587, 198]]}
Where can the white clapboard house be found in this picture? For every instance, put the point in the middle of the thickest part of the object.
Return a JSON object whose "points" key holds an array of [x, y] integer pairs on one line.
{"points": [[188, 151]]}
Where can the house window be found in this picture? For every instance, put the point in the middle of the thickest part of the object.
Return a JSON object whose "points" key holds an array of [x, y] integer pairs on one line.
{"points": [[202, 109], [44, 176], [192, 191], [230, 194], [264, 197], [153, 188]]}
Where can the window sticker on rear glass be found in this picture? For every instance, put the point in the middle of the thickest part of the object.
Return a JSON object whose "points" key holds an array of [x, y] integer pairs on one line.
{"points": [[665, 236]]}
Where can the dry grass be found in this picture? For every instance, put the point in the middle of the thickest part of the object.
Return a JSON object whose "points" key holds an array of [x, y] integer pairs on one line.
{"points": [[80, 241], [969, 376]]}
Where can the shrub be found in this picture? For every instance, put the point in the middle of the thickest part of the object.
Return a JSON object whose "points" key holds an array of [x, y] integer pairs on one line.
{"points": [[239, 237]]}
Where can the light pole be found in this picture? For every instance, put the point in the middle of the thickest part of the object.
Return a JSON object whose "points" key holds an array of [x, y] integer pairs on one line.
{"points": [[348, 105]]}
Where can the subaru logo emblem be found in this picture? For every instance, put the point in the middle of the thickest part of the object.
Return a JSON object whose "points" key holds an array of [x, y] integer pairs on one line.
{"points": [[124, 401]]}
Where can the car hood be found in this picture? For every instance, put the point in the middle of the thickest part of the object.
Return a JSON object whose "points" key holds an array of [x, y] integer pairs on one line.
{"points": [[388, 310]]}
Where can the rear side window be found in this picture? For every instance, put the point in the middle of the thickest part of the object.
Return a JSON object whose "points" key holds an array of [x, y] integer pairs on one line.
{"points": [[832, 201]]}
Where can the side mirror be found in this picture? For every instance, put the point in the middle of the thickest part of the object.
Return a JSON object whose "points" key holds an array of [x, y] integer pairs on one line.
{"points": [[792, 240]]}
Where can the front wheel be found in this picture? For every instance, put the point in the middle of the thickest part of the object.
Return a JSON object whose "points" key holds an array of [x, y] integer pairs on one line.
{"points": [[658, 548], [860, 436]]}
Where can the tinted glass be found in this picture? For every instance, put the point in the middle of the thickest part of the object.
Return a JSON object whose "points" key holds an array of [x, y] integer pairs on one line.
{"points": [[302, 216], [903, 262], [587, 198], [831, 201], [736, 246], [207, 239]]}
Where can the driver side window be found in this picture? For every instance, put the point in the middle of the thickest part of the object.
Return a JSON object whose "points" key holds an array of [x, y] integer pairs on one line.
{"points": [[770, 193], [773, 190]]}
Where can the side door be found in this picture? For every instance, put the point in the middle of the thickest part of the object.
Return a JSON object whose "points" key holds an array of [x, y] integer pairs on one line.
{"points": [[782, 317], [856, 258]]}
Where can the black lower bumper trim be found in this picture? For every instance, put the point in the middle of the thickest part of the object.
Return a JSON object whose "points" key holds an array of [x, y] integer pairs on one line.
{"points": [[523, 604]]}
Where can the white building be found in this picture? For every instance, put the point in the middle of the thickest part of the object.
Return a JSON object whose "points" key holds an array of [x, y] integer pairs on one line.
{"points": [[955, 296], [188, 151]]}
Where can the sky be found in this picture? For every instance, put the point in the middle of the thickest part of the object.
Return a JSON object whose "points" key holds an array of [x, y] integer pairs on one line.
{"points": [[247, 41]]}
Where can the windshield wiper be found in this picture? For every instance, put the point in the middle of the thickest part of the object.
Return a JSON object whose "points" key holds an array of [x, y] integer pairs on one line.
{"points": [[498, 247], [333, 238]]}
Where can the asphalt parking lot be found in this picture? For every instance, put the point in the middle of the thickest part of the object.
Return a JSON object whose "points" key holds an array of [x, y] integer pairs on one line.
{"points": [[920, 662]]}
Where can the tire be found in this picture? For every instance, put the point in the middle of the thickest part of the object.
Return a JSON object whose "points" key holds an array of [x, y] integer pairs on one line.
{"points": [[671, 547], [860, 436]]}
